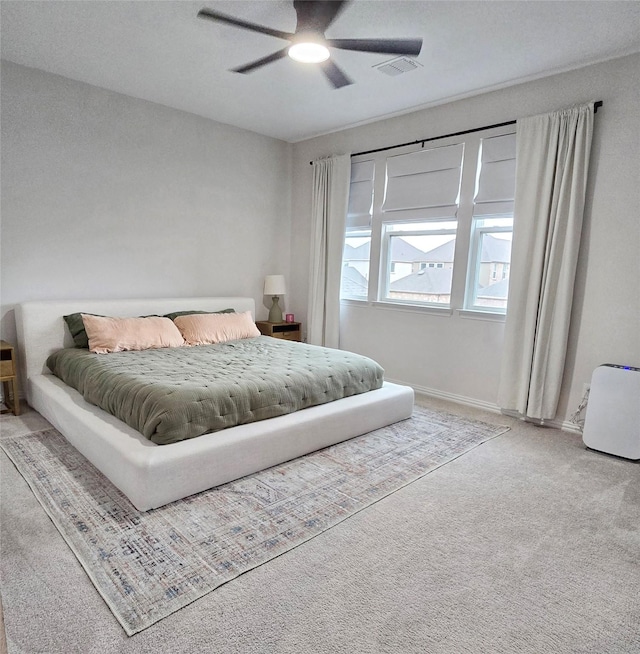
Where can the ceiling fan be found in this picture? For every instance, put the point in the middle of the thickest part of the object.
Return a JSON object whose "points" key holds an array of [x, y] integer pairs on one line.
{"points": [[308, 43]]}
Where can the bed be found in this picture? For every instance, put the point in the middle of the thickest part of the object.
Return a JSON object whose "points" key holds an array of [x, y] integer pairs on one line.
{"points": [[152, 475]]}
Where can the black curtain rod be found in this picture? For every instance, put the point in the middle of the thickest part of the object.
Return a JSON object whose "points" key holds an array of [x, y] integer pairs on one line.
{"points": [[596, 106]]}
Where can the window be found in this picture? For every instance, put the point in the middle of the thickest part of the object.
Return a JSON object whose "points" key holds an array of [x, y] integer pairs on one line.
{"points": [[355, 265], [416, 247], [492, 226], [419, 226], [489, 269], [407, 210], [357, 248]]}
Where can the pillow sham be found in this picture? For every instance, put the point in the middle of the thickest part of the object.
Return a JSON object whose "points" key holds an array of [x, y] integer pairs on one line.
{"points": [[79, 334], [76, 329], [203, 329], [175, 314], [120, 334]]}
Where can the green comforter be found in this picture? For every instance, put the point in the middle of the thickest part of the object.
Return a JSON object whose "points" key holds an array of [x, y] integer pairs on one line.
{"points": [[172, 394]]}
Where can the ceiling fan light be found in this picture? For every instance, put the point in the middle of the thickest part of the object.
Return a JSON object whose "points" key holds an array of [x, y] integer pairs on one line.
{"points": [[309, 53]]}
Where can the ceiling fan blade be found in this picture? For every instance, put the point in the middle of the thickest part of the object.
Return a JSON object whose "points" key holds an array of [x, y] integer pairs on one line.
{"points": [[316, 15], [209, 14], [334, 74], [247, 68], [382, 46]]}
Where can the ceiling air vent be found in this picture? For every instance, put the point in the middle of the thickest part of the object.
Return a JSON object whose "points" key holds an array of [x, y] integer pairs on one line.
{"points": [[398, 66]]}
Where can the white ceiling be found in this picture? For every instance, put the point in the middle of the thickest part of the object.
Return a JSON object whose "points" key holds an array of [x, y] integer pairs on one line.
{"points": [[159, 51]]}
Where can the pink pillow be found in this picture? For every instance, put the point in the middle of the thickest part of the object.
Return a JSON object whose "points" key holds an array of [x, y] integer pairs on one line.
{"points": [[119, 334], [204, 328]]}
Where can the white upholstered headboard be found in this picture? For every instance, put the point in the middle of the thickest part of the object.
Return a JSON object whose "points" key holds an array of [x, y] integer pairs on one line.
{"points": [[42, 329]]}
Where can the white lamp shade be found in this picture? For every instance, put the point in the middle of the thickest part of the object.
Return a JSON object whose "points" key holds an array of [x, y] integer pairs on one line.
{"points": [[274, 285]]}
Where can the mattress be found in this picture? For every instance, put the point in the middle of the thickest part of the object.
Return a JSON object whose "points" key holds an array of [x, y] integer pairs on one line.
{"points": [[173, 394]]}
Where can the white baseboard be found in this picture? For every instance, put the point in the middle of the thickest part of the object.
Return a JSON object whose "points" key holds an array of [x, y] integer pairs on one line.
{"points": [[451, 397], [564, 425]]}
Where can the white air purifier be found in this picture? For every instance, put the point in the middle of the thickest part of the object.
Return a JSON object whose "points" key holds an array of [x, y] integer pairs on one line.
{"points": [[612, 420]]}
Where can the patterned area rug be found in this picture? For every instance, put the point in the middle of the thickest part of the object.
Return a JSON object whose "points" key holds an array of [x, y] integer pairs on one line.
{"points": [[148, 565]]}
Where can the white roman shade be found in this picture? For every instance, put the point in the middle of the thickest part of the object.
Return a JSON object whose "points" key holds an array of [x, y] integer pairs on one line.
{"points": [[423, 184], [360, 195], [497, 181]]}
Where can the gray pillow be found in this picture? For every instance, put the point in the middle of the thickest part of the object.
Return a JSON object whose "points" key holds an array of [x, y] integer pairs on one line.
{"points": [[76, 327], [175, 314]]}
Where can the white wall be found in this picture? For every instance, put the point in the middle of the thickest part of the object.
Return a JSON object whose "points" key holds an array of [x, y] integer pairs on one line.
{"points": [[106, 196], [461, 356]]}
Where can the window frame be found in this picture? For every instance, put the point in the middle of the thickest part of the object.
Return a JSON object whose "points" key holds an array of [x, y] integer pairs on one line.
{"points": [[465, 236], [385, 258], [475, 261]]}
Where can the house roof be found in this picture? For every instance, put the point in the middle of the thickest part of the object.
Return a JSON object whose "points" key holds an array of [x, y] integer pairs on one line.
{"points": [[495, 250], [429, 281], [361, 253], [353, 282], [401, 251], [443, 253], [499, 290]]}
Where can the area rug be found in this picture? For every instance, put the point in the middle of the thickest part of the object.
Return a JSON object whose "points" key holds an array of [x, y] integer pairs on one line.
{"points": [[146, 565]]}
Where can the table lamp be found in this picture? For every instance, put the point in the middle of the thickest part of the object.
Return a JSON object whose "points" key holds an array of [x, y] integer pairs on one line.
{"points": [[274, 286]]}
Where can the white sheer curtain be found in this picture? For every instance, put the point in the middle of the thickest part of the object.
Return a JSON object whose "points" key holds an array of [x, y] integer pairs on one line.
{"points": [[330, 201], [552, 163]]}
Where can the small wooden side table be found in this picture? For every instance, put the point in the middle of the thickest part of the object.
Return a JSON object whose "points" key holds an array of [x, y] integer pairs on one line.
{"points": [[9, 378], [289, 331]]}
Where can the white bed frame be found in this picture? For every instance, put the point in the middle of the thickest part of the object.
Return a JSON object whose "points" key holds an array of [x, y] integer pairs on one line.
{"points": [[152, 475]]}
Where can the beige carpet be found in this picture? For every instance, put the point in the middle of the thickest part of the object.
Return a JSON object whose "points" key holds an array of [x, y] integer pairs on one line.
{"points": [[147, 565], [528, 543]]}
